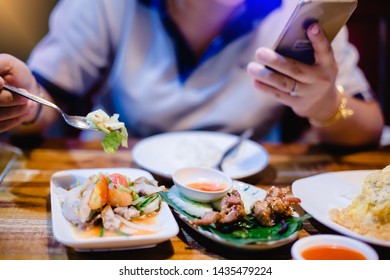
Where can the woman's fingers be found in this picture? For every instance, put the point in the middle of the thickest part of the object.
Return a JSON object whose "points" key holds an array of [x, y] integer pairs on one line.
{"points": [[12, 112], [9, 99], [305, 88], [282, 97], [283, 65], [323, 52], [13, 116], [9, 124], [270, 77]]}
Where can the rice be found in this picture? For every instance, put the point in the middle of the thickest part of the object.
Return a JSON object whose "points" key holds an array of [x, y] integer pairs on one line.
{"points": [[369, 212]]}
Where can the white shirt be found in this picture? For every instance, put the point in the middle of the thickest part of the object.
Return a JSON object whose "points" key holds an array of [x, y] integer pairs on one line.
{"points": [[127, 42]]}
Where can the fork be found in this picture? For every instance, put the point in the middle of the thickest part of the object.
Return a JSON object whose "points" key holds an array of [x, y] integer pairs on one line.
{"points": [[75, 121], [233, 148]]}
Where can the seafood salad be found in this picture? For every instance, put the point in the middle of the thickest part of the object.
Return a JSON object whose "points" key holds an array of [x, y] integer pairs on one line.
{"points": [[112, 202], [116, 132]]}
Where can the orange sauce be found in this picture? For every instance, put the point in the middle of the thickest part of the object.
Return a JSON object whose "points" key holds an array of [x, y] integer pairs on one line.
{"points": [[207, 186], [96, 231], [328, 252]]}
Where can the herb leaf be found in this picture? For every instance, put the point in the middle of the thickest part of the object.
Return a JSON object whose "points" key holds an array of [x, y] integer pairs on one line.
{"points": [[257, 233]]}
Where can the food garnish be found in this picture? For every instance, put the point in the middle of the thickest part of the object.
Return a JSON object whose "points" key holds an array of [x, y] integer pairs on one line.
{"points": [[116, 132]]}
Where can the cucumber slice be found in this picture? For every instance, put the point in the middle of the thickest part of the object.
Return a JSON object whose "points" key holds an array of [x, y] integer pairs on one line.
{"points": [[194, 208]]}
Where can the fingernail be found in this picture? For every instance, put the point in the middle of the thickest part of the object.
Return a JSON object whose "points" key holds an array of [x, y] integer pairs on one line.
{"points": [[250, 68], [315, 30], [253, 68], [263, 54]]}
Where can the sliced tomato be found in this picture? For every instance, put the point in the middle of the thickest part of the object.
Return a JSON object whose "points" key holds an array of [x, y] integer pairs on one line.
{"points": [[99, 195], [118, 197], [119, 179]]}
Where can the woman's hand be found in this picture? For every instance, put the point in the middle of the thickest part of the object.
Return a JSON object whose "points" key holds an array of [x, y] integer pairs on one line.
{"points": [[309, 90], [14, 109]]}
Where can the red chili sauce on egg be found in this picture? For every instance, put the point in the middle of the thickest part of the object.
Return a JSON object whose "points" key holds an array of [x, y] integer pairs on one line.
{"points": [[207, 186], [325, 252]]}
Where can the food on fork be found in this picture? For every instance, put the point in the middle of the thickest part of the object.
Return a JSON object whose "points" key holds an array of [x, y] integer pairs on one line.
{"points": [[112, 202], [369, 212], [116, 132]]}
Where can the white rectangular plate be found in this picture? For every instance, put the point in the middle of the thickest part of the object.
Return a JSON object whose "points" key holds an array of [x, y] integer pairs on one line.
{"points": [[66, 233]]}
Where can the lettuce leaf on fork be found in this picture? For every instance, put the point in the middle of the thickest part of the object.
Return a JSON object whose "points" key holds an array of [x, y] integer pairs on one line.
{"points": [[116, 132]]}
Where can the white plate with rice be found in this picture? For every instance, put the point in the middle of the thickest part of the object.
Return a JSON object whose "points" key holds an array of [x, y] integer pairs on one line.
{"points": [[162, 154]]}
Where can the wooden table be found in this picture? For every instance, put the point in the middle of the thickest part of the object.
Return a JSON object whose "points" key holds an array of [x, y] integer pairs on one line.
{"points": [[25, 215]]}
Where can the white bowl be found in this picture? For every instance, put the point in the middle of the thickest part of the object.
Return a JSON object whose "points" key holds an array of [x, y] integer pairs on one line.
{"points": [[185, 176], [331, 240]]}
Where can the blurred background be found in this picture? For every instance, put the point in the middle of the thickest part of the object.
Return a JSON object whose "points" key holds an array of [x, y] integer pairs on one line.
{"points": [[24, 22], [369, 29]]}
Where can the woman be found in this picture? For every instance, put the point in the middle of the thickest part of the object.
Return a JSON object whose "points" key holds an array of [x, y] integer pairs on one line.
{"points": [[183, 64]]}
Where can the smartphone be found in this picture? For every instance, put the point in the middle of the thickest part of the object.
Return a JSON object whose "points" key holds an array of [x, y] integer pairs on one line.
{"points": [[331, 15]]}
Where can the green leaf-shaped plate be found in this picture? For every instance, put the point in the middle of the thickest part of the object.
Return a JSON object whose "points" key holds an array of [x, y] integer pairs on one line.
{"points": [[255, 238]]}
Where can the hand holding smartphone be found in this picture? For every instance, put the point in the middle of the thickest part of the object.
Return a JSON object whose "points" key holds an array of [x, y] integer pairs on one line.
{"points": [[331, 15]]}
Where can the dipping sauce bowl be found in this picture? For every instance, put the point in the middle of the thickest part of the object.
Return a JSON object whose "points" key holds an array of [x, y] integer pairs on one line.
{"points": [[331, 247], [202, 184]]}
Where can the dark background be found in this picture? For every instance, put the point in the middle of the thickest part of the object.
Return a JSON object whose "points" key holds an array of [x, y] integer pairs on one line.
{"points": [[22, 24], [370, 32]]}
